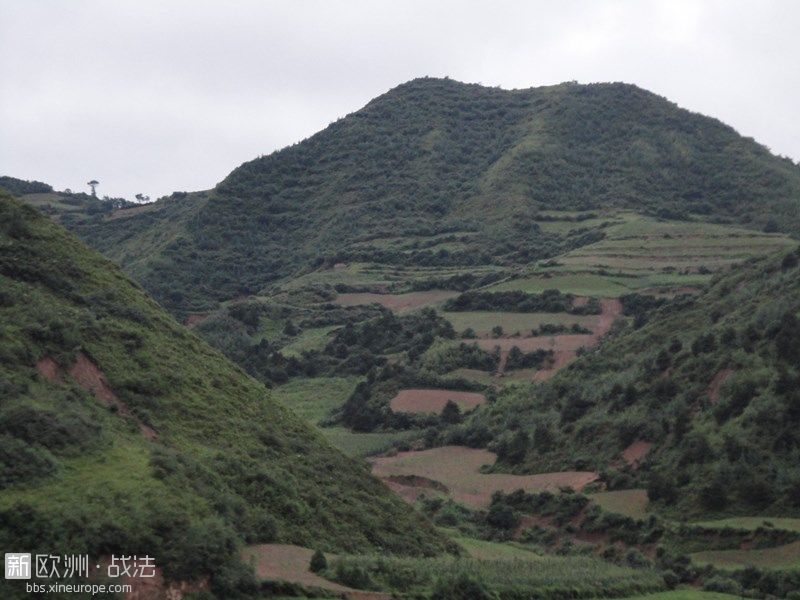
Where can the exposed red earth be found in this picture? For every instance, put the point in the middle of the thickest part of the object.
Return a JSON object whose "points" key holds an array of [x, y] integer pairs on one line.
{"points": [[434, 401], [716, 384], [635, 453], [458, 469], [89, 376], [396, 302], [193, 320]]}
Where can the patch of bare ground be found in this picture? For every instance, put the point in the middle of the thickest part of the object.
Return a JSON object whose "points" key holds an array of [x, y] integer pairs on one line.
{"points": [[156, 587], [192, 320], [89, 376], [458, 469], [396, 302], [433, 401], [634, 454], [716, 384], [284, 562], [49, 369]]}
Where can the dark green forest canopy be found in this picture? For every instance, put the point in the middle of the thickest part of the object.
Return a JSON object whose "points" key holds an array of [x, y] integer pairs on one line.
{"points": [[434, 156]]}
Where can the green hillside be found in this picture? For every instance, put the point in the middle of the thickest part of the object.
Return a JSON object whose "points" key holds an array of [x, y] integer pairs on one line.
{"points": [[440, 173], [122, 432], [708, 383]]}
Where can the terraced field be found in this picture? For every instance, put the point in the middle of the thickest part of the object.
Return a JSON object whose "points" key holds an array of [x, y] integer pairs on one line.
{"points": [[631, 503], [753, 523], [397, 302], [780, 557], [482, 322], [643, 253], [434, 401], [458, 469]]}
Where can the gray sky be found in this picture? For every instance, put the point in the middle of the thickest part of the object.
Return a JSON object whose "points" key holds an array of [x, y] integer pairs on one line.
{"points": [[155, 96]]}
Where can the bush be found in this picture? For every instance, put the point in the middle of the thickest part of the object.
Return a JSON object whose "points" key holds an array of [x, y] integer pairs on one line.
{"points": [[461, 587], [318, 562], [723, 585]]}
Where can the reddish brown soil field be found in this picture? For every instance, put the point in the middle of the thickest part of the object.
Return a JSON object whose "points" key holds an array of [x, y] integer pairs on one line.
{"points": [[716, 384], [635, 453], [283, 562], [193, 320], [433, 401], [396, 302], [49, 369], [458, 469]]}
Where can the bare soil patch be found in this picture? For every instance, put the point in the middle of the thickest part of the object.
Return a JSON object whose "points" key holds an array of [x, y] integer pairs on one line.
{"points": [[89, 376], [635, 453], [434, 401], [396, 302], [49, 369], [192, 320], [716, 384], [458, 469]]}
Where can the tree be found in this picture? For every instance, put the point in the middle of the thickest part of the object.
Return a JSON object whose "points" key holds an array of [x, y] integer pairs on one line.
{"points": [[451, 413], [141, 198], [318, 562], [497, 331], [93, 184]]}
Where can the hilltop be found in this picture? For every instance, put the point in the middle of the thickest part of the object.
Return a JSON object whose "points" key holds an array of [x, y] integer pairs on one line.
{"points": [[123, 433], [460, 174]]}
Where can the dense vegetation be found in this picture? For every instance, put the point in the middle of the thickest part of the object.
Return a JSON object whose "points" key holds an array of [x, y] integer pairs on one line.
{"points": [[711, 382], [188, 459], [472, 165], [19, 187]]}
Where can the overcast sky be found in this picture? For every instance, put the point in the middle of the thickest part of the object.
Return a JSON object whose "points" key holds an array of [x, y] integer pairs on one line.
{"points": [[154, 96]]}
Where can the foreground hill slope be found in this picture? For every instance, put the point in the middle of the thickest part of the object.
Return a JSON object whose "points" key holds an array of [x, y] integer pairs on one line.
{"points": [[122, 432], [701, 404], [463, 170]]}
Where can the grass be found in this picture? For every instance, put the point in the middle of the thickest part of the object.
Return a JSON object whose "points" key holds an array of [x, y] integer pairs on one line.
{"points": [[309, 339], [313, 399], [482, 322], [366, 444], [684, 594], [485, 550], [779, 557], [631, 503], [753, 523]]}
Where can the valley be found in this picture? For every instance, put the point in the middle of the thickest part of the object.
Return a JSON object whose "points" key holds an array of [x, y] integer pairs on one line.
{"points": [[462, 339]]}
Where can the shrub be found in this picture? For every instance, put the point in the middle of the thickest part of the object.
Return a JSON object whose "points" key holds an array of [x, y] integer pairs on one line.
{"points": [[723, 585], [318, 562], [461, 587]]}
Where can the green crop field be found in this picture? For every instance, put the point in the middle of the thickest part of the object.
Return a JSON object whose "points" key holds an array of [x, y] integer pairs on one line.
{"points": [[313, 399], [753, 523], [780, 557], [631, 503], [482, 322]]}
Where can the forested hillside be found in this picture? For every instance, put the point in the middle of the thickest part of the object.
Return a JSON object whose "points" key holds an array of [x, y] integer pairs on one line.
{"points": [[698, 400], [461, 172], [122, 432]]}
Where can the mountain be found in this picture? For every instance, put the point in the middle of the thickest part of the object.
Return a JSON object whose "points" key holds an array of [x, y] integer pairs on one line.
{"points": [[435, 159], [700, 403], [121, 432]]}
